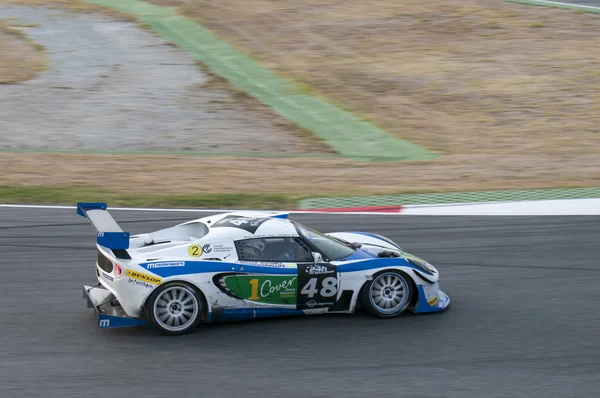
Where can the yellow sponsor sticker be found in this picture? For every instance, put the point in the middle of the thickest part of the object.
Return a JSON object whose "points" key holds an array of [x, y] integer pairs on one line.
{"points": [[433, 301], [140, 276], [195, 250]]}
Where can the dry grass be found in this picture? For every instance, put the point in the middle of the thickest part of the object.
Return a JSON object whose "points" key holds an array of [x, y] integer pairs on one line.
{"points": [[173, 175], [22, 58], [510, 93], [459, 76]]}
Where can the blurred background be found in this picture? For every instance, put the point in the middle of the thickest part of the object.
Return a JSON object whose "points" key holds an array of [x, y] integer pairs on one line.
{"points": [[201, 103], [287, 104]]}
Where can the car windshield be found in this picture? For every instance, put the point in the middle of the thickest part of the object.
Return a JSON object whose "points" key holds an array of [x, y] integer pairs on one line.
{"points": [[333, 249]]}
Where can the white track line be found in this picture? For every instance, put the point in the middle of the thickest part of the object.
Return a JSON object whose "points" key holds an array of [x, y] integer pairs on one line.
{"points": [[560, 3], [556, 207], [109, 208], [49, 207]]}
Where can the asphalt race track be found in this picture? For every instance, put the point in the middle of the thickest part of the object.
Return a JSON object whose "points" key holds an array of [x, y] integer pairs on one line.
{"points": [[524, 319], [594, 3]]}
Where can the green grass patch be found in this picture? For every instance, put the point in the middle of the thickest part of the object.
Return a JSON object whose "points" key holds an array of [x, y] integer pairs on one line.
{"points": [[72, 195]]}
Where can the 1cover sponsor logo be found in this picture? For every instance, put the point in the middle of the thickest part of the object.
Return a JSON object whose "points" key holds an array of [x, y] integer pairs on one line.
{"points": [[265, 289], [140, 276]]}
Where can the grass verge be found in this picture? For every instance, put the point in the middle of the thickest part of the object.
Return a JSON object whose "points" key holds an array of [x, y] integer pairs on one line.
{"points": [[72, 195], [454, 76], [150, 176], [250, 104], [349, 135], [512, 134]]}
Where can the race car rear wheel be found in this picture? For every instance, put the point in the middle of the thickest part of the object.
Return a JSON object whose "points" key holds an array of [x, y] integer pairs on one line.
{"points": [[175, 308], [387, 295]]}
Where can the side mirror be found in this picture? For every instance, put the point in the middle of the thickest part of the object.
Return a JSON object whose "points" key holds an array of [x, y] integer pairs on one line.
{"points": [[317, 258]]}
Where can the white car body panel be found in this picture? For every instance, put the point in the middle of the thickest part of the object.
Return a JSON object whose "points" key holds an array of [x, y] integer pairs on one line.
{"points": [[197, 251]]}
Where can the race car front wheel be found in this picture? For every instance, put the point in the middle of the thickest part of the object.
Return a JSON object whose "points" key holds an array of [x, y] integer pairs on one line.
{"points": [[175, 308], [387, 295]]}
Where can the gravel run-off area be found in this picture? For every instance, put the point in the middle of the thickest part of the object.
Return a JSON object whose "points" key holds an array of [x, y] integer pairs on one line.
{"points": [[115, 86]]}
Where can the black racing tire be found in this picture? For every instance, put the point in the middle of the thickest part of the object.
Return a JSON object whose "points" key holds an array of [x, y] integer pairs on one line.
{"points": [[176, 308], [388, 294]]}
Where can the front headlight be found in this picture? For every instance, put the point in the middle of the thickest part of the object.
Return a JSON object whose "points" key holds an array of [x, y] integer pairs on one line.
{"points": [[421, 264]]}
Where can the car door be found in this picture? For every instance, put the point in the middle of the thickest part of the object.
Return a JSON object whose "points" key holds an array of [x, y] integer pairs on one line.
{"points": [[318, 285], [282, 271], [267, 270]]}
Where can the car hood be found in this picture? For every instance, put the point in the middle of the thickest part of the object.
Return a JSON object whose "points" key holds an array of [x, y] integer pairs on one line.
{"points": [[371, 243]]}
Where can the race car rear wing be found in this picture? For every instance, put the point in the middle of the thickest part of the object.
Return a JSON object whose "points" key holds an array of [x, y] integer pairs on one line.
{"points": [[110, 234]]}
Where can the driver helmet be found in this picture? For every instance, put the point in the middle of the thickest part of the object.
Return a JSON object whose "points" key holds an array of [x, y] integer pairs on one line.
{"points": [[256, 245]]}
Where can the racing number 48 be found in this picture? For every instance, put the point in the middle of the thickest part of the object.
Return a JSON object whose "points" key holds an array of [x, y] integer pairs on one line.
{"points": [[328, 287]]}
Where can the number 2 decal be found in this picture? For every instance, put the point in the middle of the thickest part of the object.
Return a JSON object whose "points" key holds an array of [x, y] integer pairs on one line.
{"points": [[317, 285], [195, 251]]}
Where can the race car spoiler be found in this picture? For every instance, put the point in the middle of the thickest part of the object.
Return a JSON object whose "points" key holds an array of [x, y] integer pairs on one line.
{"points": [[110, 234]]}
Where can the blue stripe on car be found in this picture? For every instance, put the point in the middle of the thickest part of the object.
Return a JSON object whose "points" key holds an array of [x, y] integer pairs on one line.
{"points": [[256, 269], [200, 267], [190, 267], [359, 255], [375, 263], [113, 321]]}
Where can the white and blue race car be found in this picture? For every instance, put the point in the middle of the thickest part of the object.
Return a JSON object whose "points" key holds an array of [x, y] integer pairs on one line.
{"points": [[245, 265]]}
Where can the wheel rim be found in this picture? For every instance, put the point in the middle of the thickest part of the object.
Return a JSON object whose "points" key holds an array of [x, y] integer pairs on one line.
{"points": [[176, 308], [388, 293]]}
